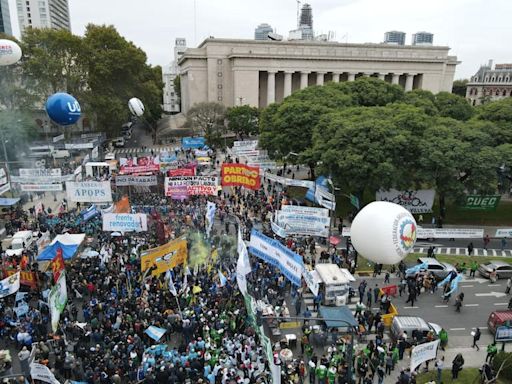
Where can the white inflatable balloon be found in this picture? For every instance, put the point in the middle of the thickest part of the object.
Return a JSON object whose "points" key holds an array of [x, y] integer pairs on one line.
{"points": [[10, 52], [136, 106], [383, 232]]}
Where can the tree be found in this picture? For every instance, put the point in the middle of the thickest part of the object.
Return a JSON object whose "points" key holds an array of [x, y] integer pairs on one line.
{"points": [[16, 128], [243, 120], [500, 114], [208, 119], [370, 91], [454, 106], [422, 99], [459, 87]]}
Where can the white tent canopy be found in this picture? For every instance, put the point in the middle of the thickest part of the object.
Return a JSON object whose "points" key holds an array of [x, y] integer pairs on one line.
{"points": [[69, 239]]}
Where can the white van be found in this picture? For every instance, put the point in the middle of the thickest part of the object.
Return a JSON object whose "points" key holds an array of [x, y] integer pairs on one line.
{"points": [[20, 241], [61, 154], [334, 283]]}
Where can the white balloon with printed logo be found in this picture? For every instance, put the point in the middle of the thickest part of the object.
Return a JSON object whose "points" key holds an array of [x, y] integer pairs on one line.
{"points": [[383, 232], [10, 52], [136, 106]]}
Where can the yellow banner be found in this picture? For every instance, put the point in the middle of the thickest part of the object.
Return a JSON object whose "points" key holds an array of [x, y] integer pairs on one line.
{"points": [[164, 257]]}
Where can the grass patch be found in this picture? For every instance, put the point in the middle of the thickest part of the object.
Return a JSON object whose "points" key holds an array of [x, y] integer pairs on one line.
{"points": [[466, 376]]}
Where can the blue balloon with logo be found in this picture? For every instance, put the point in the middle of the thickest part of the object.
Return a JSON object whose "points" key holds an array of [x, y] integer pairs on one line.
{"points": [[63, 108]]}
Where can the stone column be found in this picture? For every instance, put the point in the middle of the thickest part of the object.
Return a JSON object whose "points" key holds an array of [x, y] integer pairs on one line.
{"points": [[351, 76], [409, 82], [287, 84], [382, 76], [271, 87], [396, 78], [304, 79], [320, 78], [335, 77]]}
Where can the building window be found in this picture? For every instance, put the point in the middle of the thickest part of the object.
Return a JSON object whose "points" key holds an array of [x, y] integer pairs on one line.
{"points": [[504, 93], [486, 79], [219, 74], [219, 61], [219, 86], [492, 79], [497, 92], [506, 79], [219, 98]]}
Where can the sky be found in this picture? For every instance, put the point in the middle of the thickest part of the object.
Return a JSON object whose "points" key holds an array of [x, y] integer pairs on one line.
{"points": [[475, 30]]}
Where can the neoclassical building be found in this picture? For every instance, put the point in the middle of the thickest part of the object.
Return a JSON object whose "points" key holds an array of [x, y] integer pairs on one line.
{"points": [[258, 73], [490, 84]]}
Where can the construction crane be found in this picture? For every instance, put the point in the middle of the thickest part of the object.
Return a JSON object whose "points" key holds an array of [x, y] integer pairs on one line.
{"points": [[298, 13]]}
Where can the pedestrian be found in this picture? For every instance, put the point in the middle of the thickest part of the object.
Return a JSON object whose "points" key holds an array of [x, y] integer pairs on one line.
{"points": [[458, 301], [376, 293], [443, 338], [470, 248], [492, 350], [476, 337], [369, 299], [503, 243], [510, 303], [457, 364], [509, 285], [487, 240], [439, 366], [473, 268], [386, 278], [381, 373]]}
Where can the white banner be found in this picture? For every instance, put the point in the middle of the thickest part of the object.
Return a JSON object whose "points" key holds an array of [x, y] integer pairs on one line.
{"points": [[89, 191], [4, 188], [419, 201], [325, 198], [125, 222], [311, 282], [289, 182], [40, 172], [141, 181], [275, 253], [247, 144], [41, 187], [304, 221], [503, 232], [263, 164], [58, 138], [79, 145], [302, 210], [42, 180], [195, 185], [42, 373], [95, 153], [57, 300], [439, 233], [422, 353], [10, 285]]}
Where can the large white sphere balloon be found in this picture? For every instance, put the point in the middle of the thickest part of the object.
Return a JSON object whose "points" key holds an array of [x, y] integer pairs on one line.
{"points": [[10, 52], [383, 232], [136, 106]]}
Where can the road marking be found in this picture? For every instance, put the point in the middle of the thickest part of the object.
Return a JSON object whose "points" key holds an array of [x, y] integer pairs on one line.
{"points": [[421, 250], [494, 252], [500, 303], [467, 286], [495, 294], [441, 306], [411, 307], [494, 285], [471, 305], [457, 251], [457, 329]]}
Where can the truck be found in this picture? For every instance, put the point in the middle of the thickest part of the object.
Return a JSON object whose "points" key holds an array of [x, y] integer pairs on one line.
{"points": [[20, 241], [334, 283]]}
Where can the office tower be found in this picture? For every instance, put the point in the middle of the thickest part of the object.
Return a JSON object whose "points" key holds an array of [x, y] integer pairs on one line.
{"points": [[5, 18], [261, 32], [422, 38], [52, 14], [394, 37]]}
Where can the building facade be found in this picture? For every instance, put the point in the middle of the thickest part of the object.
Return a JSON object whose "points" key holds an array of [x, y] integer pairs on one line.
{"points": [[5, 18], [422, 38], [394, 37], [52, 14], [171, 102], [490, 84], [258, 73], [261, 32]]}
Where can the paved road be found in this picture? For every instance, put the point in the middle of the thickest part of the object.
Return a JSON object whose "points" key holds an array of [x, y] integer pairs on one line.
{"points": [[141, 136]]}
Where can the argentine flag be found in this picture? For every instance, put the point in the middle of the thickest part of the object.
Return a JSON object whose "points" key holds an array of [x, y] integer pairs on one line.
{"points": [[155, 333]]}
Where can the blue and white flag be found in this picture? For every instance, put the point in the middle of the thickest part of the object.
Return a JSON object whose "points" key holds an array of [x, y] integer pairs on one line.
{"points": [[155, 333], [172, 288], [222, 279], [243, 265], [454, 285], [89, 213], [10, 285], [210, 217], [415, 269]]}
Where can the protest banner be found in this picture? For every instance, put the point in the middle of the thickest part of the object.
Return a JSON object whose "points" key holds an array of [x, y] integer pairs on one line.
{"points": [[423, 352], [246, 144], [419, 201], [41, 372], [139, 165], [40, 172], [181, 172], [240, 175], [57, 300], [125, 222], [288, 182], [26, 278], [193, 142], [41, 187], [10, 285], [57, 265], [89, 191], [439, 233], [311, 281], [482, 202], [305, 221], [276, 254], [137, 181], [164, 257], [503, 232], [196, 185]]}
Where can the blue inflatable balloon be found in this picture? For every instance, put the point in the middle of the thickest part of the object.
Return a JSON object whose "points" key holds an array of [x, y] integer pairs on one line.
{"points": [[63, 109]]}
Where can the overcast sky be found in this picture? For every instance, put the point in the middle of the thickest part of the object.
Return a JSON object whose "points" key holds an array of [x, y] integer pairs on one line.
{"points": [[476, 30]]}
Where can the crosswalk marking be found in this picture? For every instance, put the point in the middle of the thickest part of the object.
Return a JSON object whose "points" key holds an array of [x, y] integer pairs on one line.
{"points": [[135, 150], [463, 251]]}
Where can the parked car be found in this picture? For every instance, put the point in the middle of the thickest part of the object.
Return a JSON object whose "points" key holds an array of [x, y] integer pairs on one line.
{"points": [[439, 269], [411, 325], [503, 270]]}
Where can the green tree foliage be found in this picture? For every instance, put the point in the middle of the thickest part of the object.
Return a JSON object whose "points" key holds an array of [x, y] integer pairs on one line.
{"points": [[208, 119], [459, 87], [422, 99], [243, 120], [500, 114], [454, 106]]}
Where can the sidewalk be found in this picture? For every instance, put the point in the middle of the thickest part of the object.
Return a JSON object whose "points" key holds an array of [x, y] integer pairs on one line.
{"points": [[47, 200]]}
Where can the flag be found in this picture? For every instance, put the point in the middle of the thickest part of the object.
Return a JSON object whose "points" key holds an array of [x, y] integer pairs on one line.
{"points": [[210, 216], [57, 300], [122, 206], [222, 279], [155, 333], [172, 288], [10, 285], [415, 269], [57, 265], [243, 265]]}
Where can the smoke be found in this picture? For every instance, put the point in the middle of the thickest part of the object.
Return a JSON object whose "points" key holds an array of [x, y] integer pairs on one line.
{"points": [[199, 251]]}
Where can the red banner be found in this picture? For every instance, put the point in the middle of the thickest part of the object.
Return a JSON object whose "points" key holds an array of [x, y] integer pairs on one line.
{"points": [[181, 172], [26, 278], [240, 175], [139, 165], [57, 265]]}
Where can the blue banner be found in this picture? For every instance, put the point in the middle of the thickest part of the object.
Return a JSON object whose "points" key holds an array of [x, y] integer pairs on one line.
{"points": [[89, 213], [193, 142]]}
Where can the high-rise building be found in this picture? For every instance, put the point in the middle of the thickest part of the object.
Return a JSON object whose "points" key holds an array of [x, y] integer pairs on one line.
{"points": [[394, 37], [52, 14], [422, 38], [306, 16], [5, 18], [171, 97], [261, 32]]}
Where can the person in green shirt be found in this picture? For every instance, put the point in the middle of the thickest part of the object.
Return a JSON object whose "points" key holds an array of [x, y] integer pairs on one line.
{"points": [[331, 375], [321, 373], [492, 350], [474, 267], [443, 338]]}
